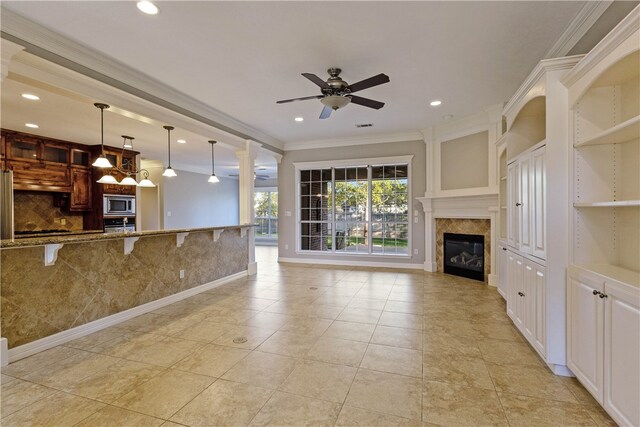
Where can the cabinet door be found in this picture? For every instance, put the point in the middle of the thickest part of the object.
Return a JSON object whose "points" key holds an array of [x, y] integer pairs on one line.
{"points": [[80, 190], [539, 314], [622, 353], [512, 292], [513, 231], [519, 297], [538, 204], [585, 329], [524, 208], [528, 299], [502, 271]]}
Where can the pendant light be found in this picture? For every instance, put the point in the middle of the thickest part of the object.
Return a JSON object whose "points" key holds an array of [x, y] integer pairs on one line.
{"points": [[107, 179], [213, 178], [127, 180], [169, 172], [102, 161], [146, 182]]}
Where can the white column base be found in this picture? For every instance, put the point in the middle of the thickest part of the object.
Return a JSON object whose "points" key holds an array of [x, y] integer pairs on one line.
{"points": [[561, 370], [493, 280], [431, 267], [252, 268], [4, 352]]}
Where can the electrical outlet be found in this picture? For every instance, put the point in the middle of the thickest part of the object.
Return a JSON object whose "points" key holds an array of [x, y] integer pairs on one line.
{"points": [[63, 221], [287, 213], [168, 213], [286, 247], [415, 252], [182, 274]]}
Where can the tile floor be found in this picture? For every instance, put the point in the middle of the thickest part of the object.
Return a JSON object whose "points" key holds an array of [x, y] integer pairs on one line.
{"points": [[320, 346]]}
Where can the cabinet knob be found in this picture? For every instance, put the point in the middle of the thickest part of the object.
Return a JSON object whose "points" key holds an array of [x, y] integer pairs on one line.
{"points": [[518, 204], [596, 292], [504, 249], [521, 294], [603, 295]]}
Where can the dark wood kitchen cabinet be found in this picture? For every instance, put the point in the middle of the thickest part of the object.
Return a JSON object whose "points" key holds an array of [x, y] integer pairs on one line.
{"points": [[81, 189], [37, 164]]}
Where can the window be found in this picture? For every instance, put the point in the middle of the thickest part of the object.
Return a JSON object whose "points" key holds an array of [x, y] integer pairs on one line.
{"points": [[266, 207], [355, 209]]}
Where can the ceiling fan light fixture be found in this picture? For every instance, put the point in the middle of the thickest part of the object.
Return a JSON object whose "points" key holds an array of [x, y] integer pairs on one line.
{"points": [[335, 101]]}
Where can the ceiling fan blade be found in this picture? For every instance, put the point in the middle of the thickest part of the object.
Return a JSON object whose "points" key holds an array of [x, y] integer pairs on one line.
{"points": [[299, 99], [326, 112], [317, 80], [366, 102], [370, 82]]}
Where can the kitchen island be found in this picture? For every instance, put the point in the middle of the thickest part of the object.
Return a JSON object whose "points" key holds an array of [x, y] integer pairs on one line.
{"points": [[58, 288]]}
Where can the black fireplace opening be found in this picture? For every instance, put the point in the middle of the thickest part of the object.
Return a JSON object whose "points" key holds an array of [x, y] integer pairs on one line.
{"points": [[464, 255]]}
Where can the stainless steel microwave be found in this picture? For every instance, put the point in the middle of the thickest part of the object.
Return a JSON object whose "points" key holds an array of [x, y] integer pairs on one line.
{"points": [[119, 205]]}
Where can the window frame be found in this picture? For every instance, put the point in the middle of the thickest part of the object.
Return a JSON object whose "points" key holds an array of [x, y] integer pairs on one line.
{"points": [[354, 163]]}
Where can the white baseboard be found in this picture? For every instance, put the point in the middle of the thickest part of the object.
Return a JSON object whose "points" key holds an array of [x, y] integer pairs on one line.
{"points": [[252, 268], [4, 352], [493, 280], [351, 263], [561, 370], [51, 341]]}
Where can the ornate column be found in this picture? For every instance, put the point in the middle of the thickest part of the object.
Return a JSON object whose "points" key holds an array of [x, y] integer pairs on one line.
{"points": [[247, 158], [429, 235]]}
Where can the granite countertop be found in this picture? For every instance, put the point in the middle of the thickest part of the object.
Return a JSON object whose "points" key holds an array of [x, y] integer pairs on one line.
{"points": [[68, 233], [90, 236]]}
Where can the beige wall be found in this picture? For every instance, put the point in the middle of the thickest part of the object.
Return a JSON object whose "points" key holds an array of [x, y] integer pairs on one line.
{"points": [[464, 162], [287, 194]]}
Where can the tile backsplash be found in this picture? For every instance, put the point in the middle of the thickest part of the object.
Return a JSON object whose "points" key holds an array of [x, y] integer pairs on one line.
{"points": [[34, 210]]}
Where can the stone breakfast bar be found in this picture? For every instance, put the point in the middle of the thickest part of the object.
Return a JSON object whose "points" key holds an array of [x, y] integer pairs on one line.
{"points": [[58, 288]]}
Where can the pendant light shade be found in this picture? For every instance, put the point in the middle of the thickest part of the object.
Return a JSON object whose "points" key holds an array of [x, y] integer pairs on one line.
{"points": [[213, 178], [169, 172], [146, 182], [107, 179], [128, 181], [102, 161]]}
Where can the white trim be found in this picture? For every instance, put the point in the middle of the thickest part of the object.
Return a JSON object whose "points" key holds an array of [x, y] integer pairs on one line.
{"points": [[605, 47], [351, 263], [372, 161], [358, 140], [51, 341], [578, 27], [252, 268], [493, 280], [532, 87], [54, 47]]}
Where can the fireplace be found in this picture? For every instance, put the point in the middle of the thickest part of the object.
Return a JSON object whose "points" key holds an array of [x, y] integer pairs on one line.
{"points": [[464, 255]]}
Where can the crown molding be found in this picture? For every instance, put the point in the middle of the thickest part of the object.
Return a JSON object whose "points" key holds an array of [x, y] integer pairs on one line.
{"points": [[360, 140], [609, 43], [67, 53], [578, 27], [538, 72]]}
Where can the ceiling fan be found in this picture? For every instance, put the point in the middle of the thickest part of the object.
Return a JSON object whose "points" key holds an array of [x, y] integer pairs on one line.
{"points": [[336, 93], [256, 176]]}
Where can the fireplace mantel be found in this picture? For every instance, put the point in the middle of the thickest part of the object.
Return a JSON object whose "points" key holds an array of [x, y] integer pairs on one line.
{"points": [[484, 206]]}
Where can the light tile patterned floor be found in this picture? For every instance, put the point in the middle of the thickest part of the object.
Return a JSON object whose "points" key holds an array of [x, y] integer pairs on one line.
{"points": [[323, 346]]}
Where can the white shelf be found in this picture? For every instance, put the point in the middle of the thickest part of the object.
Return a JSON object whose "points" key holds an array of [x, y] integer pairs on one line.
{"points": [[608, 204], [609, 271], [623, 132]]}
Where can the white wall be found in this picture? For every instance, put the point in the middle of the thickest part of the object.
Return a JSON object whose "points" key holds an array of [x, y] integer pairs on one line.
{"points": [[190, 201]]}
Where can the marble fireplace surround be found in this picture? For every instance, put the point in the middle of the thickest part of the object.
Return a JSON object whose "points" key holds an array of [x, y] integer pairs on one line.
{"points": [[466, 207]]}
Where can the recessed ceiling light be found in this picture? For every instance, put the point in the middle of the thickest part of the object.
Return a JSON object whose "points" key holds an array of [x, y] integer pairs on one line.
{"points": [[147, 7], [32, 125], [435, 103], [30, 96], [299, 119], [181, 141]]}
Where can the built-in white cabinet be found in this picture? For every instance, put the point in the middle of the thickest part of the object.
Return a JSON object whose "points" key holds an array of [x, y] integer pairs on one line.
{"points": [[526, 299], [502, 269], [526, 202], [604, 341]]}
